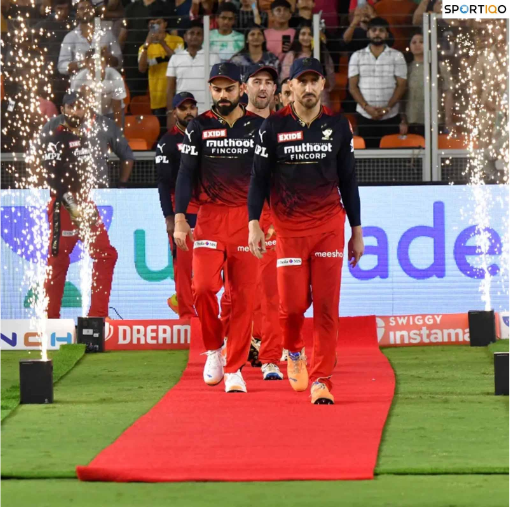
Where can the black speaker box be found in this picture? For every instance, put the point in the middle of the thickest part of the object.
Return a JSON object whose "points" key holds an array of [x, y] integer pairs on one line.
{"points": [[36, 381], [501, 363], [482, 328], [91, 332]]}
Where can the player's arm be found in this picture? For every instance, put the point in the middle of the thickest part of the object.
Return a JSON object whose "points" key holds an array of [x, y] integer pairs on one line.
{"points": [[187, 175], [348, 185], [264, 160], [165, 176], [119, 145]]}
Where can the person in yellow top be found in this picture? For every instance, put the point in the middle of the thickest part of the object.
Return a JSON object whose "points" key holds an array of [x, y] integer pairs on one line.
{"points": [[155, 55]]}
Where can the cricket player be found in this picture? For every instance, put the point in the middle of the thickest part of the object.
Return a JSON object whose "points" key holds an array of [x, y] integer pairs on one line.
{"points": [[305, 155], [167, 160], [261, 84], [69, 161], [216, 161]]}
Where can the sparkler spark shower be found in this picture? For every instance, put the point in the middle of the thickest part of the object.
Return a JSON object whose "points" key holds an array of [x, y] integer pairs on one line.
{"points": [[483, 74]]}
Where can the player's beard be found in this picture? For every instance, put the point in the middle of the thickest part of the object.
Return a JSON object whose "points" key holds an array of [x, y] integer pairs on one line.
{"points": [[308, 104], [185, 121], [225, 109], [260, 102], [73, 121]]}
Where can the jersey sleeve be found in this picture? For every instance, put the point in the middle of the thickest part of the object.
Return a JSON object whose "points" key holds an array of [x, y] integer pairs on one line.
{"points": [[189, 166], [165, 166], [264, 160], [346, 170]]}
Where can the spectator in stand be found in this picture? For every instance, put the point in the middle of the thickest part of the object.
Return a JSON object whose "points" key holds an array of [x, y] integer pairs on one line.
{"points": [[112, 88], [355, 36], [202, 8], [302, 48], [377, 76], [77, 47], [286, 95], [278, 38], [255, 52], [250, 15], [52, 31], [225, 42], [399, 14], [303, 13], [155, 55], [134, 35], [185, 72], [426, 7], [112, 15]]}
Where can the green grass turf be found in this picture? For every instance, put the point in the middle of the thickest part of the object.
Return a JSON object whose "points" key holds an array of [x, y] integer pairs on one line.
{"points": [[63, 361], [98, 400], [384, 491]]}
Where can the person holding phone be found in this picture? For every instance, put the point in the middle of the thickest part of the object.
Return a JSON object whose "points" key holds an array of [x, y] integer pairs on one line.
{"points": [[302, 48], [278, 38], [154, 57], [250, 15]]}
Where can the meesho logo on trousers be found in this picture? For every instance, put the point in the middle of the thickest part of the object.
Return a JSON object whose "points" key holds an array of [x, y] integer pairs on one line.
{"points": [[448, 329]]}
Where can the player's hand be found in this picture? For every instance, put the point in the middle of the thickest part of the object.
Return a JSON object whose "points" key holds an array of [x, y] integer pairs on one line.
{"points": [[182, 230], [355, 246], [256, 240]]}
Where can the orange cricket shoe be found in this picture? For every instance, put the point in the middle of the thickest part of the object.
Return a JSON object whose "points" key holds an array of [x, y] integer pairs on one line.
{"points": [[320, 395], [173, 303], [297, 371]]}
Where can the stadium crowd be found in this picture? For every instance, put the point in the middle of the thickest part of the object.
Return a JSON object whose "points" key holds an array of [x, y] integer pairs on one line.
{"points": [[372, 54]]}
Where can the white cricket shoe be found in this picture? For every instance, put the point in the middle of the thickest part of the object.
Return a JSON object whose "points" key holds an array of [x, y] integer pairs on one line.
{"points": [[283, 359], [234, 383], [214, 367], [271, 372]]}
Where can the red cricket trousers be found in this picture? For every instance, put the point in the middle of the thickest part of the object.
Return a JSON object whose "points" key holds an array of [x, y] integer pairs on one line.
{"points": [[221, 243], [103, 254], [309, 269], [183, 279]]}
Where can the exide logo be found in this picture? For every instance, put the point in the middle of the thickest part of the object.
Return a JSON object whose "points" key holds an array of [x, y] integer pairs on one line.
{"points": [[290, 136], [208, 134]]}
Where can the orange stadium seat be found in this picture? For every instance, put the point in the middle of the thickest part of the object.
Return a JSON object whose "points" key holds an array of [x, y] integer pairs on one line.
{"points": [[142, 127], [138, 144], [453, 143], [399, 141], [359, 143], [141, 104]]}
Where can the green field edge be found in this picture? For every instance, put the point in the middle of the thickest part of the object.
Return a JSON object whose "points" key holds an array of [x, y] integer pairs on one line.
{"points": [[64, 360]]}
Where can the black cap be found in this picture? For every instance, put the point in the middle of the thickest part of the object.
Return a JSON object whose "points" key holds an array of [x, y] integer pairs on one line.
{"points": [[303, 65], [257, 67], [181, 97], [280, 3], [226, 69], [70, 98]]}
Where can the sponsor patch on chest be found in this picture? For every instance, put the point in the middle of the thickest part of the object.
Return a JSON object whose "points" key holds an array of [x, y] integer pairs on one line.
{"points": [[286, 137], [214, 134]]}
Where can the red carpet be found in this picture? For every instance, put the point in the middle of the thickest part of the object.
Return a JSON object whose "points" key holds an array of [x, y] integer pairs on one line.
{"points": [[200, 433]]}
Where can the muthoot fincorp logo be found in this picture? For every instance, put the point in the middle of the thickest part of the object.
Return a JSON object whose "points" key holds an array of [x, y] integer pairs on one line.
{"points": [[463, 9]]}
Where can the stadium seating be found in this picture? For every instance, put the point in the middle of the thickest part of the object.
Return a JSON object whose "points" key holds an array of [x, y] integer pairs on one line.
{"points": [[145, 127], [140, 104], [399, 141], [446, 142], [359, 143]]}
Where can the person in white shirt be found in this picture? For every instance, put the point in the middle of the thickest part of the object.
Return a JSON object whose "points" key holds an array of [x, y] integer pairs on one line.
{"points": [[377, 81], [77, 46], [185, 72], [113, 90]]}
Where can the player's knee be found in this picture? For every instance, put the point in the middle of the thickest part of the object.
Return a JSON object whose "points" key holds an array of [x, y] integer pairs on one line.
{"points": [[203, 288]]}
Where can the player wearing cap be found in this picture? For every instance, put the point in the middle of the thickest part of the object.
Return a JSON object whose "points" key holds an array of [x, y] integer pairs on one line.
{"points": [[69, 160], [261, 84], [216, 161], [305, 156], [167, 159]]}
